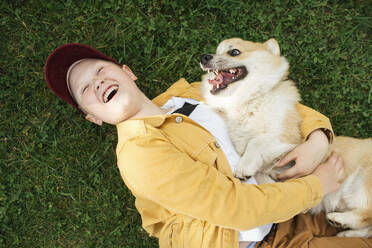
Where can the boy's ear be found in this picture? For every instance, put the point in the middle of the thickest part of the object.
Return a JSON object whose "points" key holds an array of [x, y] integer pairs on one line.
{"points": [[93, 119], [273, 46], [129, 71]]}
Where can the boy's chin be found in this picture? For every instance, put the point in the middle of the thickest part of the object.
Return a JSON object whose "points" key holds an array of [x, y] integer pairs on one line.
{"points": [[113, 113], [114, 121], [99, 119]]}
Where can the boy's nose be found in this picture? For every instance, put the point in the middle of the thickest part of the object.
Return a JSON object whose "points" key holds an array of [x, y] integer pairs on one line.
{"points": [[98, 84]]}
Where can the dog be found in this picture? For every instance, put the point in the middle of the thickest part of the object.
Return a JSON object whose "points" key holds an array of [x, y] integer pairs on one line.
{"points": [[246, 83]]}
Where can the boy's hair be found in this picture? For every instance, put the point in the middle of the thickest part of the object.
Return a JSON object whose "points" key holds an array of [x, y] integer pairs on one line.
{"points": [[59, 62]]}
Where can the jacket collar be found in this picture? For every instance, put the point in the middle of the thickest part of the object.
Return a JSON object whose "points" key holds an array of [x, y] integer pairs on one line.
{"points": [[181, 88], [135, 127]]}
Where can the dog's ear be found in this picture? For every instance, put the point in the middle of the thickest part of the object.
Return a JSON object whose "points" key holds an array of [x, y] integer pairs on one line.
{"points": [[273, 46]]}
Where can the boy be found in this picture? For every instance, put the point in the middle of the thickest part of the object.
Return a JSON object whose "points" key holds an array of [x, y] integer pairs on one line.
{"points": [[180, 173]]}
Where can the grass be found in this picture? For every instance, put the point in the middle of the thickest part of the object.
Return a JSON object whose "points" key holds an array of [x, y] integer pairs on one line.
{"points": [[59, 185]]}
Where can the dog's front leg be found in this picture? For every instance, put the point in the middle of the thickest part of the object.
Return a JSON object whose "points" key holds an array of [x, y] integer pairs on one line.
{"points": [[250, 162], [259, 153], [252, 159]]}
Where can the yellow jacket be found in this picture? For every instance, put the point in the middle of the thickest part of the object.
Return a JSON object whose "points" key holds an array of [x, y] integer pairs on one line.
{"points": [[184, 188]]}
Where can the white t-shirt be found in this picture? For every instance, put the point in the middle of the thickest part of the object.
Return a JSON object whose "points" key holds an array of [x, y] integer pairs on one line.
{"points": [[210, 120]]}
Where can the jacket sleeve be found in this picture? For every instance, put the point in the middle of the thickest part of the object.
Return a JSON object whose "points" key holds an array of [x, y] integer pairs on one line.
{"points": [[312, 120], [156, 170]]}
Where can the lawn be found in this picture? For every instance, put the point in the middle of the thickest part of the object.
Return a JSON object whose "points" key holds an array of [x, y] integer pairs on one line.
{"points": [[59, 184]]}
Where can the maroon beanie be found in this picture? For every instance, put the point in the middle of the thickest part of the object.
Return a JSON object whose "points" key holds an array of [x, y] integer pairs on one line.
{"points": [[60, 60]]}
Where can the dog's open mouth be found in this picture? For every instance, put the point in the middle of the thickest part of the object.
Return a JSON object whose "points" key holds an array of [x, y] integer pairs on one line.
{"points": [[224, 77]]}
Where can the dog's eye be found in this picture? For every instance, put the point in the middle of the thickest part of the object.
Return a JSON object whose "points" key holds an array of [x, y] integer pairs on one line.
{"points": [[234, 52]]}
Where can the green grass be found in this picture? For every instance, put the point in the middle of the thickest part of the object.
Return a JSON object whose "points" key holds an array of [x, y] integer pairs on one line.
{"points": [[59, 185]]}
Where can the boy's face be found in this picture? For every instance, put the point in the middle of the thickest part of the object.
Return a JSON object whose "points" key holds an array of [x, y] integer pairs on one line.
{"points": [[105, 91]]}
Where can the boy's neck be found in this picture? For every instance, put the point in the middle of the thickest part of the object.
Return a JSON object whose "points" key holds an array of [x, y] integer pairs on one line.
{"points": [[148, 108]]}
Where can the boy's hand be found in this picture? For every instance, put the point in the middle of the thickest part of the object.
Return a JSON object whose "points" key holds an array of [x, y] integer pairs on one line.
{"points": [[307, 156], [330, 173]]}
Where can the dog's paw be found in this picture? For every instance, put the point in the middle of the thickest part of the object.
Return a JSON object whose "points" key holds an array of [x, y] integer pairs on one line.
{"points": [[244, 170], [349, 233], [340, 220], [248, 166], [346, 220], [242, 173], [354, 233], [335, 219], [274, 175]]}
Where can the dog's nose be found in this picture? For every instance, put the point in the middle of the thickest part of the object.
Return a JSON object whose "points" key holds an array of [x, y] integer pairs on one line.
{"points": [[204, 58]]}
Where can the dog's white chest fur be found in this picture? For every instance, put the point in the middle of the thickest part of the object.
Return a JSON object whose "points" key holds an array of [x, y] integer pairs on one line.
{"points": [[255, 124], [258, 118]]}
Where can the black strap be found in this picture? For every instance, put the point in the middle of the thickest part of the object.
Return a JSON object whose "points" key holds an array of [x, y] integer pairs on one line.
{"points": [[186, 109], [274, 227]]}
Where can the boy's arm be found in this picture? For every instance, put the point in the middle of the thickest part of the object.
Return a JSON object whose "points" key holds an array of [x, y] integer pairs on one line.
{"points": [[313, 120], [154, 169], [317, 132]]}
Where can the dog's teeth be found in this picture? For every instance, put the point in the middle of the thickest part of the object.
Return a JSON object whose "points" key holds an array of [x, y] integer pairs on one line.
{"points": [[231, 70], [233, 78]]}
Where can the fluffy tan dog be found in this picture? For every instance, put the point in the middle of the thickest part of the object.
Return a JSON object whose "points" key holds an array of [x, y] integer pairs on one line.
{"points": [[247, 84]]}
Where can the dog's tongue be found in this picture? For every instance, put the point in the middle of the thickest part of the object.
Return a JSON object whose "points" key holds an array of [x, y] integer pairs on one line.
{"points": [[221, 80], [227, 77]]}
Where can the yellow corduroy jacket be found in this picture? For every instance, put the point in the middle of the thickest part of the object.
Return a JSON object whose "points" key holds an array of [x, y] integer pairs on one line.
{"points": [[184, 188]]}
